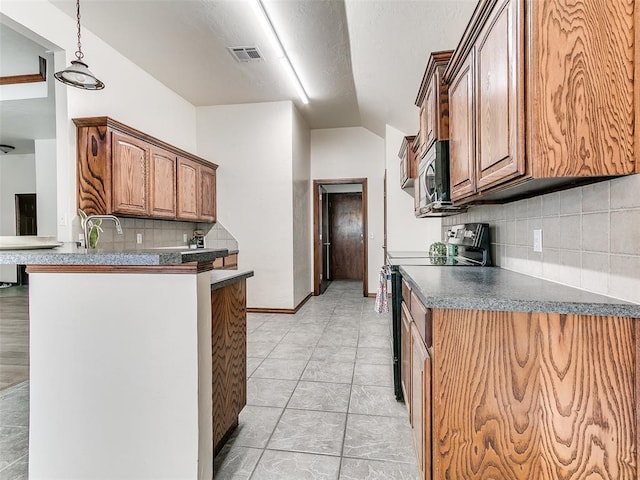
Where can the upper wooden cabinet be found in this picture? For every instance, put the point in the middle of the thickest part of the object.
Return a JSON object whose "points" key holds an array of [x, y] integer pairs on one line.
{"points": [[163, 183], [408, 162], [461, 132], [542, 96], [196, 191], [433, 102], [207, 197], [130, 175], [125, 172], [187, 189]]}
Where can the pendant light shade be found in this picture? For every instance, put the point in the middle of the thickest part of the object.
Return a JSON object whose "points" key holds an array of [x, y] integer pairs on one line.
{"points": [[78, 74]]}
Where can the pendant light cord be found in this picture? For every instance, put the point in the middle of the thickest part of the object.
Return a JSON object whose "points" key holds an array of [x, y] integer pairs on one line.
{"points": [[79, 54]]}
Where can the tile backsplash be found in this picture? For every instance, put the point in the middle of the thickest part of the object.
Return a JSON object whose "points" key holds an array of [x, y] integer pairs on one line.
{"points": [[590, 236], [163, 233]]}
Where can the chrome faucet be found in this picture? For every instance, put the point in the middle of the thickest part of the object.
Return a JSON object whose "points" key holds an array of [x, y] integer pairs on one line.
{"points": [[88, 223]]}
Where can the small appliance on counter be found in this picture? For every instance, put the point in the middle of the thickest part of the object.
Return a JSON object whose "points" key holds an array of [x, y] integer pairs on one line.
{"points": [[467, 245], [198, 239]]}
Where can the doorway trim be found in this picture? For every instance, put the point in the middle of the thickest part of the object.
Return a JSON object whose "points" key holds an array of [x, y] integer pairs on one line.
{"points": [[316, 231]]}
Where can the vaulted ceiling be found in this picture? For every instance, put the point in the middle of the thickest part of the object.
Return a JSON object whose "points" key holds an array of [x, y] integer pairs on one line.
{"points": [[360, 61]]}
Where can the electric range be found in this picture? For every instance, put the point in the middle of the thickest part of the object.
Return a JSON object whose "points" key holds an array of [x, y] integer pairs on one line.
{"points": [[467, 244]]}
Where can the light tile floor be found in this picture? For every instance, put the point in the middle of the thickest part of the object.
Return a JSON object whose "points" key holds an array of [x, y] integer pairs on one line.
{"points": [[14, 432], [320, 401]]}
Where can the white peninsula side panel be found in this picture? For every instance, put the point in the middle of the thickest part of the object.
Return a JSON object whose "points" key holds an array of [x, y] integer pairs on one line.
{"points": [[114, 376]]}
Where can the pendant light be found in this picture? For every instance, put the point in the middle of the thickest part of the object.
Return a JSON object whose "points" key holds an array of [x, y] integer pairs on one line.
{"points": [[77, 74]]}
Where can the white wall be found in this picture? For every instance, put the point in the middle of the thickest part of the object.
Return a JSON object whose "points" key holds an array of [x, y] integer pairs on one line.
{"points": [[302, 251], [355, 153], [17, 175], [131, 95], [45, 170], [252, 144], [405, 232]]}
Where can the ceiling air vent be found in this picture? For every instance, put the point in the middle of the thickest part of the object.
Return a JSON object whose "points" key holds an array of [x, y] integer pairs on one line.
{"points": [[246, 54]]}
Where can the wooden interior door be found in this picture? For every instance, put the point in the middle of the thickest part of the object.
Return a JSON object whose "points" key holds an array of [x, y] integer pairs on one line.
{"points": [[325, 240], [346, 233], [26, 224]]}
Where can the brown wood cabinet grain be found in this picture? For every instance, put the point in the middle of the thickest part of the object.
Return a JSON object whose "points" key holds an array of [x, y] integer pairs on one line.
{"points": [[130, 173], [462, 154], [126, 172], [421, 402], [433, 102], [553, 98], [229, 362], [499, 92], [188, 180], [163, 183], [207, 197], [533, 395], [405, 357], [408, 162]]}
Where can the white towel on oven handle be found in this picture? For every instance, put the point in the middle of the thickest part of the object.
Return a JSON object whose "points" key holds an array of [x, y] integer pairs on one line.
{"points": [[382, 300]]}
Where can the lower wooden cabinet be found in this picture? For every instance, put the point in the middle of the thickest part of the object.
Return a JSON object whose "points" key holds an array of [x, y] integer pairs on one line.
{"points": [[230, 262], [405, 357], [521, 395], [421, 401], [229, 362]]}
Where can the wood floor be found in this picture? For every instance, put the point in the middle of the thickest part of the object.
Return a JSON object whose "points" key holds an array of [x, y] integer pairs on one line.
{"points": [[14, 336]]}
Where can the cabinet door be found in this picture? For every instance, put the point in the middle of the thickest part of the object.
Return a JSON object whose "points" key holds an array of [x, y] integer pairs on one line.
{"points": [[162, 187], [129, 175], [404, 168], [461, 132], [188, 184], [429, 111], [207, 197], [421, 402], [498, 98], [405, 357]]}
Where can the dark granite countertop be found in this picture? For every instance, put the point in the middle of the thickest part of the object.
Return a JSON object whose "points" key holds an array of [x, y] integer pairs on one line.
{"points": [[493, 288], [71, 254], [222, 278]]}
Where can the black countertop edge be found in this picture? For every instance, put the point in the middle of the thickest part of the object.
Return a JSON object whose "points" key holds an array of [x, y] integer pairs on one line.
{"points": [[504, 290], [222, 278]]}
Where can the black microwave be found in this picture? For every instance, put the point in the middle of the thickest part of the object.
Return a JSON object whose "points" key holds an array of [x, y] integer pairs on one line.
{"points": [[433, 182]]}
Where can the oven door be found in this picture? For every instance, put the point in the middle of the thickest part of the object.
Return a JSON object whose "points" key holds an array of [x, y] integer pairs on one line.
{"points": [[427, 180]]}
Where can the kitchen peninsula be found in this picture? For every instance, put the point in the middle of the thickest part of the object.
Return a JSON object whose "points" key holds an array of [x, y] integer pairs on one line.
{"points": [[137, 361]]}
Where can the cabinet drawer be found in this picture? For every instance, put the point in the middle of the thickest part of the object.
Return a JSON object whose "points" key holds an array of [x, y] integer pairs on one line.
{"points": [[422, 317], [218, 262], [406, 293], [231, 261]]}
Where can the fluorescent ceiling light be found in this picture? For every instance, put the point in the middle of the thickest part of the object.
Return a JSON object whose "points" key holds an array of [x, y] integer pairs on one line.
{"points": [[261, 13]]}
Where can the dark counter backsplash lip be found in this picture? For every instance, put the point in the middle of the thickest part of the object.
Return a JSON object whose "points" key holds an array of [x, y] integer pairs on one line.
{"points": [[497, 289]]}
